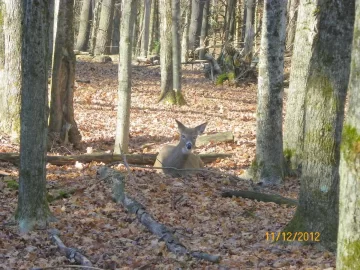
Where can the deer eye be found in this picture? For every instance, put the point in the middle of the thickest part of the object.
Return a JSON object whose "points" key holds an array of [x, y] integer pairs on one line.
{"points": [[183, 137], [194, 137]]}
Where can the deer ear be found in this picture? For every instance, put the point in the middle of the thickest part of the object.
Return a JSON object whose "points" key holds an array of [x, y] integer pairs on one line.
{"points": [[181, 127], [201, 128]]}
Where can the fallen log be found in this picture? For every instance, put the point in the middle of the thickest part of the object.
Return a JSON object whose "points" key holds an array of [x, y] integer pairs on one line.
{"points": [[72, 254], [138, 159], [218, 137], [155, 227], [259, 196]]}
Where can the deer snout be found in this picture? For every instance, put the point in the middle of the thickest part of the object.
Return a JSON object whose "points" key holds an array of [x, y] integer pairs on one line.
{"points": [[189, 145]]}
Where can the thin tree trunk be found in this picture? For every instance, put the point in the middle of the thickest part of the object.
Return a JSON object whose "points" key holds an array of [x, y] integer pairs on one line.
{"points": [[151, 27], [104, 30], [124, 91], [176, 49], [10, 96], [116, 30], [146, 28], [185, 34], [33, 209], [204, 28], [268, 166], [249, 32], [63, 77], [238, 23], [292, 24], [84, 29], [2, 37], [197, 7], [95, 25], [325, 90], [349, 226]]}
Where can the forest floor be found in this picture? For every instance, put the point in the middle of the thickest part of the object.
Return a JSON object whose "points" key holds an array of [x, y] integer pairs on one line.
{"points": [[112, 238]]}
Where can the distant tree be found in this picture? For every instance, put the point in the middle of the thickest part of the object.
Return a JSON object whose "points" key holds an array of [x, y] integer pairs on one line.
{"points": [[95, 25], [84, 29], [116, 29], [249, 29], [204, 28], [168, 94], [146, 28], [349, 225], [124, 90], [229, 24], [324, 75], [63, 77], [2, 38], [197, 7], [33, 210], [104, 31], [268, 166], [10, 95], [185, 33]]}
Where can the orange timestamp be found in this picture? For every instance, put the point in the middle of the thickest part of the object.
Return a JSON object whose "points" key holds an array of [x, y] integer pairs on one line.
{"points": [[293, 236]]}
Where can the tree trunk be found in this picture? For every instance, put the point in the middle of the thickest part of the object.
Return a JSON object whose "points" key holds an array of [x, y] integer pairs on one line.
{"points": [[124, 91], [146, 28], [185, 34], [292, 24], [84, 29], [2, 39], [51, 30], [229, 20], [268, 166], [115, 40], [325, 90], [104, 30], [63, 77], [10, 96], [176, 52], [95, 26], [204, 29], [197, 7], [238, 23], [33, 209], [249, 32], [349, 227], [151, 27]]}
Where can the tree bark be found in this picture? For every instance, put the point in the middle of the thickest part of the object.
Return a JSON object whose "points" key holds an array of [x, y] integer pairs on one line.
{"points": [[33, 209], [204, 28], [63, 77], [95, 25], [197, 7], [185, 34], [325, 90], [2, 37], [104, 30], [176, 51], [84, 29], [249, 29], [229, 20], [349, 227], [10, 96], [124, 90], [146, 29], [291, 28], [268, 166], [115, 40]]}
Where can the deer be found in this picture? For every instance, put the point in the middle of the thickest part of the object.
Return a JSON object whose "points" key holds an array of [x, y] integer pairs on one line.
{"points": [[180, 156]]}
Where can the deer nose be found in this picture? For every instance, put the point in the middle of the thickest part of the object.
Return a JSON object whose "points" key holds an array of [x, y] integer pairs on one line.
{"points": [[189, 145]]}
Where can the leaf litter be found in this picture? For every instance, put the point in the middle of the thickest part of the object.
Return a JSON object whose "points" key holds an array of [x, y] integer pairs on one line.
{"points": [[110, 237]]}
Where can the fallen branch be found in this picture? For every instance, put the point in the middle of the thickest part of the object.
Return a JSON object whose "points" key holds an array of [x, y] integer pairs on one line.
{"points": [[259, 196], [139, 159], [70, 253], [164, 233], [217, 137]]}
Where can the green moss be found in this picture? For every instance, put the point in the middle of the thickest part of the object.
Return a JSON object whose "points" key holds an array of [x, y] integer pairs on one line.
{"points": [[350, 145], [352, 259], [288, 154], [221, 78], [180, 100], [12, 184]]}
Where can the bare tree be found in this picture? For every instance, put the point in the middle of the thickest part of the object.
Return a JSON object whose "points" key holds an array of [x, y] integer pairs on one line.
{"points": [[104, 31], [33, 209], [10, 99], [63, 77], [84, 29], [124, 91], [146, 28]]}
